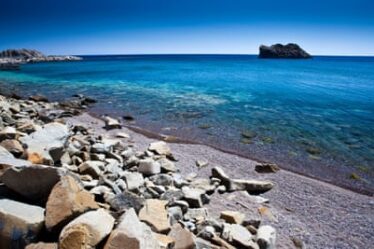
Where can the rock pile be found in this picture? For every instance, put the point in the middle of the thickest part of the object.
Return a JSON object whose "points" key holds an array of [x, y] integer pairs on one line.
{"points": [[65, 187]]}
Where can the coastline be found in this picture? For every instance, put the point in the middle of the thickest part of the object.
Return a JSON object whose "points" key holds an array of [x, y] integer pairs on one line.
{"points": [[178, 140], [301, 207]]}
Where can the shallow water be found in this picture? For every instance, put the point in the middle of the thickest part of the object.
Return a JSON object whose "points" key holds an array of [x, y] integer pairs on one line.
{"points": [[313, 116]]}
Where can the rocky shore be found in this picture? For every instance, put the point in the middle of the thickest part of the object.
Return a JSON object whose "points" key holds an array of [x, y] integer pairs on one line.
{"points": [[77, 189], [11, 59], [68, 180]]}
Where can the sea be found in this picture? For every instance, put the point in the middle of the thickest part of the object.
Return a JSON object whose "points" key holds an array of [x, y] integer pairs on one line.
{"points": [[311, 116]]}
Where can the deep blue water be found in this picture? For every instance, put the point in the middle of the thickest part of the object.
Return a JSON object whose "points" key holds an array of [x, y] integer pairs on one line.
{"points": [[312, 116]]}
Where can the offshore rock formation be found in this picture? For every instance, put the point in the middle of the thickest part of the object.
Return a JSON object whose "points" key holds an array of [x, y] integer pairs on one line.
{"points": [[289, 51], [11, 58]]}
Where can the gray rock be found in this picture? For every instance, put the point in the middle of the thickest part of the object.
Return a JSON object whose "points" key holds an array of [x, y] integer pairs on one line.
{"points": [[92, 168], [196, 213], [149, 167], [134, 180], [48, 143], [167, 165], [20, 223], [194, 197], [111, 123], [290, 51], [175, 214], [7, 159], [135, 236], [125, 201], [266, 236], [237, 235], [8, 133], [267, 168], [162, 179], [160, 147]]}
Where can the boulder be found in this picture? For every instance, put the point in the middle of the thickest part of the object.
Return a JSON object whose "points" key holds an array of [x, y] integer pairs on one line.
{"points": [[266, 236], [42, 245], [167, 165], [86, 231], [184, 239], [160, 148], [154, 213], [289, 51], [7, 160], [125, 201], [149, 167], [20, 223], [232, 217], [131, 233], [194, 196], [48, 142], [66, 201], [33, 182]]}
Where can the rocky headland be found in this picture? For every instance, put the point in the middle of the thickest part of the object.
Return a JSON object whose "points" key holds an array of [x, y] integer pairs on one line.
{"points": [[289, 51], [11, 58], [69, 180]]}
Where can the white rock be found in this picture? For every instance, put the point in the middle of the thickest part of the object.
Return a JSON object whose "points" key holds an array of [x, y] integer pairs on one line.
{"points": [[266, 236], [149, 167], [133, 180], [20, 223]]}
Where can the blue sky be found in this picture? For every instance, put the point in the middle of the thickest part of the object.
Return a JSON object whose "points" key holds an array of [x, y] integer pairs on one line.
{"points": [[342, 27]]}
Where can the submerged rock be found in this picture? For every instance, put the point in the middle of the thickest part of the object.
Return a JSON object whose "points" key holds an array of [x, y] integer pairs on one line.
{"points": [[291, 51]]}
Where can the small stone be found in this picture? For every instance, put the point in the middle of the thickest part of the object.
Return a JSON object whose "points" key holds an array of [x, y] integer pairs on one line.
{"points": [[161, 148], [204, 244], [66, 201], [131, 233], [167, 165], [196, 213], [86, 231], [125, 201], [149, 167], [251, 186], [20, 223], [154, 213], [122, 135], [266, 236], [267, 168], [38, 98], [184, 239], [201, 163], [237, 235], [175, 214], [8, 133], [162, 179], [92, 168], [194, 197], [111, 123], [232, 217], [134, 180]]}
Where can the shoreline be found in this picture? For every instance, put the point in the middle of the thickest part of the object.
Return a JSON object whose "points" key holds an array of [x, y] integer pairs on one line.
{"points": [[301, 207], [178, 140]]}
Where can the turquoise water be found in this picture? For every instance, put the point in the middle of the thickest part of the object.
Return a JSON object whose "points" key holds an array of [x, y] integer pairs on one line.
{"points": [[313, 116]]}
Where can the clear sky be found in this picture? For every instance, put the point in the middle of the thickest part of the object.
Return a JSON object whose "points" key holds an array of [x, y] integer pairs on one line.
{"points": [[340, 27]]}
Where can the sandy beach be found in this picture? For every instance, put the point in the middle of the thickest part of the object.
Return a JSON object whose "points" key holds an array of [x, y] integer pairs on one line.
{"points": [[300, 208]]}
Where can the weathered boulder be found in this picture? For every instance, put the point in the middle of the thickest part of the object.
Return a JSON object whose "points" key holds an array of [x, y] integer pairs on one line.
{"points": [[184, 239], [66, 201], [131, 233], [20, 223], [291, 51], [48, 143], [33, 182], [42, 245], [266, 236], [86, 231], [154, 213]]}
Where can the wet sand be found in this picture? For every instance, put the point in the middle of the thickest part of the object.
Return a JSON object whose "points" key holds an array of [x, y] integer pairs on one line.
{"points": [[319, 214]]}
